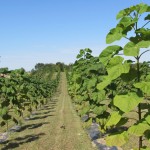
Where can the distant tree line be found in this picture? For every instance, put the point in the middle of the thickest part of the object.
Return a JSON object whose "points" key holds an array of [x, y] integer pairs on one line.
{"points": [[46, 71]]}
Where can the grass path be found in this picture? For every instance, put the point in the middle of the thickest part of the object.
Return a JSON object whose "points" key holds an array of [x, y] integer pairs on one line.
{"points": [[56, 127]]}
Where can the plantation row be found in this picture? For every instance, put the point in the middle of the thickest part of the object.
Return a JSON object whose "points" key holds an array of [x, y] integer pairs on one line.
{"points": [[22, 92], [114, 91]]}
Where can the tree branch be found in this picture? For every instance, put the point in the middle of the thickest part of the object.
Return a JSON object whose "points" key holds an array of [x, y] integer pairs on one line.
{"points": [[144, 52], [145, 24]]}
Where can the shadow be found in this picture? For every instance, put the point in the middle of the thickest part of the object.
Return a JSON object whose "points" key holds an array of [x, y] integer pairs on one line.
{"points": [[41, 113], [51, 107], [21, 140], [117, 130], [40, 117], [53, 103], [32, 126]]}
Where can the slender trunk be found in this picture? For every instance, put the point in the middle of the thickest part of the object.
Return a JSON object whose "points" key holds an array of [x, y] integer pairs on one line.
{"points": [[139, 106]]}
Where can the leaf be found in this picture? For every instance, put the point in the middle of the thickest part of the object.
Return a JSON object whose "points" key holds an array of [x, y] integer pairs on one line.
{"points": [[121, 14], [138, 130], [116, 71], [109, 52], [84, 110], [103, 84], [91, 83], [147, 78], [131, 49], [117, 140], [98, 110], [88, 50], [126, 103], [147, 17], [148, 119], [3, 111], [143, 44], [148, 9], [131, 75], [144, 33], [113, 120], [114, 35], [143, 8], [144, 86], [147, 135], [80, 54], [115, 61], [126, 21], [98, 96]]}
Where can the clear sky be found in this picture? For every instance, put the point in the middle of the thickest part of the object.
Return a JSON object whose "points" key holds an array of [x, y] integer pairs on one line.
{"points": [[48, 31]]}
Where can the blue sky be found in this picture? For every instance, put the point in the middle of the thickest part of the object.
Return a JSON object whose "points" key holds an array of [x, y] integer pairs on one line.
{"points": [[48, 31]]}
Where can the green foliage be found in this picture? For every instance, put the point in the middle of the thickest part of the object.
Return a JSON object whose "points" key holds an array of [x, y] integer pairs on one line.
{"points": [[21, 91], [114, 87], [113, 120], [108, 53], [117, 139], [127, 102], [144, 86], [139, 129]]}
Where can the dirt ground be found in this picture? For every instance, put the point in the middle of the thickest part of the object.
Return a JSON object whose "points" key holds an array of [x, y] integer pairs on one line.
{"points": [[55, 127]]}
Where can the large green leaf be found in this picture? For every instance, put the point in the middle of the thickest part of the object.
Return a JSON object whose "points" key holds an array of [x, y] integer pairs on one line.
{"points": [[126, 21], [116, 71], [138, 129], [131, 49], [143, 44], [117, 140], [113, 73], [114, 119], [143, 8], [115, 61], [114, 35], [144, 86], [109, 52], [127, 102]]}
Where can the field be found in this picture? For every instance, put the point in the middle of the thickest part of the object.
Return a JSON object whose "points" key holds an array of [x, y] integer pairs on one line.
{"points": [[98, 102], [55, 127]]}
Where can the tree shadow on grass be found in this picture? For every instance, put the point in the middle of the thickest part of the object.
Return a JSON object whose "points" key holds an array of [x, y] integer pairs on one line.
{"points": [[50, 106], [32, 126], [21, 140], [41, 113], [40, 117]]}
